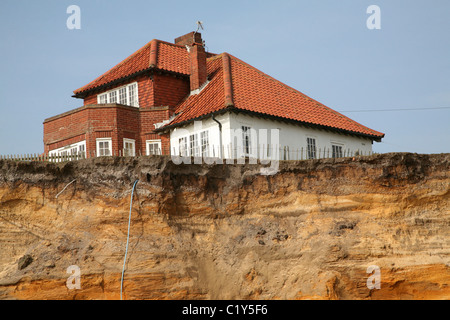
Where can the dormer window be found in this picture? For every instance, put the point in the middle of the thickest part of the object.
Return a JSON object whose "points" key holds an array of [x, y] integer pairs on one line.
{"points": [[127, 95]]}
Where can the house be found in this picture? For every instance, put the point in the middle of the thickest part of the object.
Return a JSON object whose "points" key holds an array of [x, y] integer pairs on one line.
{"points": [[178, 99]]}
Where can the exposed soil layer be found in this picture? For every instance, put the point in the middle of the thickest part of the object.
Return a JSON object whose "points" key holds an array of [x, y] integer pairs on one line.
{"points": [[226, 231]]}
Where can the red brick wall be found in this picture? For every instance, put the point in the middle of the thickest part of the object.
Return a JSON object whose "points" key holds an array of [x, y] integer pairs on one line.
{"points": [[128, 126], [158, 95], [163, 90], [72, 128], [90, 123], [145, 91], [92, 99], [105, 121], [169, 90], [64, 143]]}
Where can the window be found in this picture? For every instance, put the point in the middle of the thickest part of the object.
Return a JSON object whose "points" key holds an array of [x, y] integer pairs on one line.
{"points": [[104, 147], [153, 147], [102, 98], [112, 97], [127, 95], [123, 95], [129, 148], [204, 140], [337, 151], [246, 140], [193, 145], [77, 149], [82, 148], [311, 148], [182, 147], [132, 93]]}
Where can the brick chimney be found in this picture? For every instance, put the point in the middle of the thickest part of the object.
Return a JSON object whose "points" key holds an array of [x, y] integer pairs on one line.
{"points": [[189, 39], [197, 58]]}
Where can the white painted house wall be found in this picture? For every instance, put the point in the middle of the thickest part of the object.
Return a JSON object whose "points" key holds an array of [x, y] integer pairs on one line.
{"points": [[291, 140], [205, 125], [295, 136]]}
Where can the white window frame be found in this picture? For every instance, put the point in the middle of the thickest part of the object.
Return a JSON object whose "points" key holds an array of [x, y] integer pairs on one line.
{"points": [[78, 148], [97, 145], [246, 140], [102, 98], [335, 152], [183, 149], [194, 150], [133, 147], [311, 148], [153, 142], [204, 143], [114, 95]]}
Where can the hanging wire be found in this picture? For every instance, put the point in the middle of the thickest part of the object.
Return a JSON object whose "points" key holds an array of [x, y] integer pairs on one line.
{"points": [[128, 239]]}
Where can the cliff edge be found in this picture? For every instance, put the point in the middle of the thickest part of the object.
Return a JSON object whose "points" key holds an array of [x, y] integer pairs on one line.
{"points": [[225, 231]]}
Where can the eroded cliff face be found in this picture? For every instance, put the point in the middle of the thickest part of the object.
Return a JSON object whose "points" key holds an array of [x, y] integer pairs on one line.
{"points": [[225, 231]]}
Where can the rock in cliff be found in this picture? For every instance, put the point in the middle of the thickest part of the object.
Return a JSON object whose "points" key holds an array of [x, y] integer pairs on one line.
{"points": [[225, 231]]}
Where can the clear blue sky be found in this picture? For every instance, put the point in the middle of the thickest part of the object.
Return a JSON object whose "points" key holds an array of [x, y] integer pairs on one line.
{"points": [[322, 48]]}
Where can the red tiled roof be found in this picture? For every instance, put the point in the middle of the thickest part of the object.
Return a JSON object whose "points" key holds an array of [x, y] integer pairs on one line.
{"points": [[234, 83], [209, 100], [155, 54]]}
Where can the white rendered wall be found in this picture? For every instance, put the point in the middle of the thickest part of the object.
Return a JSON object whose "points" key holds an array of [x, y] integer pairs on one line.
{"points": [[292, 138], [204, 125], [295, 136]]}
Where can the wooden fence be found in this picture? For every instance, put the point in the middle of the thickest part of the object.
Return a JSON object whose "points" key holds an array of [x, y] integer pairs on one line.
{"points": [[264, 152], [284, 153], [42, 158]]}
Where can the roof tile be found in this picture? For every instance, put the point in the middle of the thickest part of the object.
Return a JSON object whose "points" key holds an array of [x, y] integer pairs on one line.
{"points": [[170, 57], [255, 91], [232, 83]]}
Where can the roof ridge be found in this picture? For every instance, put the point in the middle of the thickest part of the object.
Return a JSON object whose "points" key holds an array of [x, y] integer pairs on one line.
{"points": [[154, 45], [171, 44], [227, 80]]}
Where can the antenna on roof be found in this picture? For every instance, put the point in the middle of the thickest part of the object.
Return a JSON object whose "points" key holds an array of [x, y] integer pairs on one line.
{"points": [[199, 25]]}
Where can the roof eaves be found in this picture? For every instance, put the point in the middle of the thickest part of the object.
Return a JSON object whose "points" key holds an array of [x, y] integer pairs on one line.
{"points": [[288, 120], [313, 125], [185, 122], [83, 94]]}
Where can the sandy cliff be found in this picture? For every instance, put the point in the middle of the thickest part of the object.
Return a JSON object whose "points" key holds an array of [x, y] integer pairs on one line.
{"points": [[227, 232]]}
